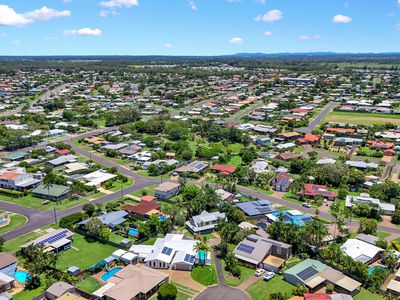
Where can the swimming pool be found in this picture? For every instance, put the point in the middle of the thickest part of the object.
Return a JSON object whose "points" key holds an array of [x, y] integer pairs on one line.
{"points": [[22, 276], [133, 231], [110, 274], [161, 218], [370, 270]]}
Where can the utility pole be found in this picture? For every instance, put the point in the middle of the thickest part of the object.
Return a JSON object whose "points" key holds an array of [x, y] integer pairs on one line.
{"points": [[55, 215]]}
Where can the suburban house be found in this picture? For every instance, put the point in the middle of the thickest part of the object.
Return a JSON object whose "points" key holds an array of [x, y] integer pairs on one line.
{"points": [[290, 216], [387, 208], [256, 208], [327, 297], [224, 195], [263, 253], [167, 190], [281, 182], [173, 251], [394, 285], [16, 178], [144, 209], [193, 167], [205, 222], [110, 219], [223, 169], [313, 190], [57, 240], [260, 166], [132, 282], [63, 291], [62, 160], [315, 276], [8, 266], [362, 165], [308, 138], [54, 192], [98, 177], [362, 251]]}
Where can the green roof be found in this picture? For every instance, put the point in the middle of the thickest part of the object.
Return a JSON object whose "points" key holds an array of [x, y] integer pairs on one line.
{"points": [[319, 266], [14, 155], [55, 190]]}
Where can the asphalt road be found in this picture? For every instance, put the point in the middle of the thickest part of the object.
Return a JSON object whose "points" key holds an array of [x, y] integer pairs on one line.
{"points": [[314, 123], [222, 293]]}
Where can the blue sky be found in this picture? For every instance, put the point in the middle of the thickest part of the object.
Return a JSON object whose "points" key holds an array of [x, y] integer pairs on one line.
{"points": [[198, 27]]}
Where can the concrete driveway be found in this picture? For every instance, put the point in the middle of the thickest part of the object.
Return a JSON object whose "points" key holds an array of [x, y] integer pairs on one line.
{"points": [[222, 293]]}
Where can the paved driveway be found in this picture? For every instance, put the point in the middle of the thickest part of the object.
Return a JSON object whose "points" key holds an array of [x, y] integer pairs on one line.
{"points": [[223, 293]]}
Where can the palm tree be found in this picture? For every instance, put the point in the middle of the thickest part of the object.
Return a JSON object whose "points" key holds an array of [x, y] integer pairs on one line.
{"points": [[48, 180], [202, 247]]}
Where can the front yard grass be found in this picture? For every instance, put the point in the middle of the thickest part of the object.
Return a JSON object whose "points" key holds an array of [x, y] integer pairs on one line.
{"points": [[235, 281], [205, 275], [16, 221], [83, 254], [365, 294], [13, 245], [37, 203], [235, 148], [235, 161], [261, 289], [119, 185], [89, 285]]}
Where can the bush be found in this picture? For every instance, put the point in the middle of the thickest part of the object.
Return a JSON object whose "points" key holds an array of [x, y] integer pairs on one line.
{"points": [[11, 193], [70, 220], [167, 291], [329, 288], [235, 271], [32, 283]]}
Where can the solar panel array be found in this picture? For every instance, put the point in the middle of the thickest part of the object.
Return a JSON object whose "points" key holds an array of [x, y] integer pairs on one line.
{"points": [[266, 210], [199, 166], [54, 238], [245, 248], [189, 258], [307, 273], [166, 251]]}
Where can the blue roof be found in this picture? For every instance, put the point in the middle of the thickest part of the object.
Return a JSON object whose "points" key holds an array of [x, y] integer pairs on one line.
{"points": [[298, 220], [256, 208]]}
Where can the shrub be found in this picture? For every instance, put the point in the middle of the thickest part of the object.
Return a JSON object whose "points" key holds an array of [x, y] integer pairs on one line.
{"points": [[329, 288], [235, 271], [167, 291]]}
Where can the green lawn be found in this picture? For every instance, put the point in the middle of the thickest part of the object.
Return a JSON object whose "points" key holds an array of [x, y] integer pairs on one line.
{"points": [[205, 275], [29, 294], [85, 255], [361, 118], [89, 285], [150, 192], [150, 241], [36, 203], [146, 174], [365, 294], [291, 198], [15, 222], [235, 161], [261, 289], [235, 148], [382, 234], [118, 185], [257, 189], [235, 281], [13, 245]]}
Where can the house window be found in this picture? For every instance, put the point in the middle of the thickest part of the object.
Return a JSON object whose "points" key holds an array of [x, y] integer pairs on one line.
{"points": [[278, 250]]}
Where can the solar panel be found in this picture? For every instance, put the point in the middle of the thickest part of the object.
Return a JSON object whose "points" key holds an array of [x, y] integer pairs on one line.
{"points": [[245, 248], [166, 251], [54, 238], [189, 258], [307, 273]]}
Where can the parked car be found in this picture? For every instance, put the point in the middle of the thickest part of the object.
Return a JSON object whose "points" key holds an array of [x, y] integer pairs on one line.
{"points": [[259, 272], [308, 205], [269, 275]]}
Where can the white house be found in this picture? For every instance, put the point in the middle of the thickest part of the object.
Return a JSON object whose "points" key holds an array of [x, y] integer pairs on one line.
{"points": [[387, 208], [361, 251], [96, 178], [171, 252], [167, 190], [205, 222]]}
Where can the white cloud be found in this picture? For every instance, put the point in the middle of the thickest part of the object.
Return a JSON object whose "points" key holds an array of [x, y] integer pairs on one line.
{"points": [[389, 14], [398, 27], [271, 16], [2, 35], [119, 3], [262, 2], [83, 32], [45, 13], [341, 19], [304, 37], [167, 45], [398, 2], [16, 42], [51, 38], [9, 17], [268, 33], [192, 5], [67, 1], [236, 41], [103, 13], [234, 1]]}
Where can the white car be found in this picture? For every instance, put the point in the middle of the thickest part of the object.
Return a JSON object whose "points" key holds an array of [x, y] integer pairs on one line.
{"points": [[269, 275], [259, 272], [307, 205]]}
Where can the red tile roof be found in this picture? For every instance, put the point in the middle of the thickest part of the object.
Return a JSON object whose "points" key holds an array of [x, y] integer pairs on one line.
{"points": [[341, 130], [224, 169], [317, 297], [309, 138], [312, 190], [142, 208], [148, 198], [9, 176], [63, 151]]}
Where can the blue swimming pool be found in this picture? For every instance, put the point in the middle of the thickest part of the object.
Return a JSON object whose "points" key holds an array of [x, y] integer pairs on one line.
{"points": [[370, 270], [110, 274], [133, 231], [161, 218], [22, 276]]}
